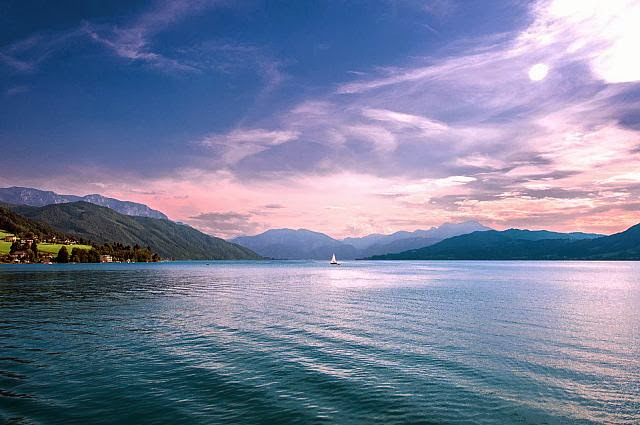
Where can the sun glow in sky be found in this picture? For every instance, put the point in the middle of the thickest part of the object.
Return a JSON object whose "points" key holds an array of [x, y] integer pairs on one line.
{"points": [[538, 72], [342, 117]]}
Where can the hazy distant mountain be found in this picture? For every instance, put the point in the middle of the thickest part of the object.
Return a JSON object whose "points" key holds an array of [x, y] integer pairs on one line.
{"points": [[398, 245], [39, 198], [378, 244], [296, 245], [514, 244], [305, 244], [100, 224]]}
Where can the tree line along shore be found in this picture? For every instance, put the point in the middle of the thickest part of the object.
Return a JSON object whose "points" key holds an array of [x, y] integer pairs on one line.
{"points": [[32, 248], [23, 240]]}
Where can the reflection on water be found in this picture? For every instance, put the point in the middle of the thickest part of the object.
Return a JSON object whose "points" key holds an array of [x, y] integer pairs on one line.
{"points": [[298, 342]]}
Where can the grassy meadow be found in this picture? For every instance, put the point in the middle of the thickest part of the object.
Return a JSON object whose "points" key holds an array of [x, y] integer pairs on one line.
{"points": [[4, 247], [51, 248]]}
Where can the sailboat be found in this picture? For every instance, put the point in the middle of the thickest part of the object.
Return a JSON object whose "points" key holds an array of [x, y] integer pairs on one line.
{"points": [[334, 261]]}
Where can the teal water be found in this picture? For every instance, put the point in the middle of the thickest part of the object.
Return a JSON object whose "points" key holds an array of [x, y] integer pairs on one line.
{"points": [[304, 342]]}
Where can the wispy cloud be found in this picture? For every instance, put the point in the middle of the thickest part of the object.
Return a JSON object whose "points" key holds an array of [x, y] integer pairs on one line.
{"points": [[404, 120], [20, 65], [471, 134], [562, 31], [12, 91], [27, 54], [273, 206], [433, 139], [231, 57], [131, 39], [134, 40], [238, 144]]}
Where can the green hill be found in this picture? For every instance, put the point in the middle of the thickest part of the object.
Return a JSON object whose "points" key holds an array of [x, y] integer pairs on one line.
{"points": [[99, 224], [15, 224], [18, 225], [528, 245]]}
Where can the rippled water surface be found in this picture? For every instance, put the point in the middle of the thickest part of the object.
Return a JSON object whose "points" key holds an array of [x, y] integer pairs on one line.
{"points": [[304, 342]]}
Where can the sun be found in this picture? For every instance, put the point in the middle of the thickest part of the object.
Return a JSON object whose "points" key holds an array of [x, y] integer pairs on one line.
{"points": [[538, 72]]}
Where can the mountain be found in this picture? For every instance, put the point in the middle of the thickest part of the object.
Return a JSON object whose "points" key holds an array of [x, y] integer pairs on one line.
{"points": [[378, 244], [305, 244], [398, 245], [448, 230], [100, 224], [22, 226], [514, 244], [39, 198], [300, 244]]}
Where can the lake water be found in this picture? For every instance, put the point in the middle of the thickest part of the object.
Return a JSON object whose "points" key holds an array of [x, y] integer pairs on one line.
{"points": [[304, 342]]}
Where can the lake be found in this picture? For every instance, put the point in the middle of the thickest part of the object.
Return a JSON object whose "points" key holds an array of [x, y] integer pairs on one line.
{"points": [[305, 342]]}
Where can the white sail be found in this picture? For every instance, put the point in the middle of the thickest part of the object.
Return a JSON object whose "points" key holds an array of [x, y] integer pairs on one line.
{"points": [[333, 259]]}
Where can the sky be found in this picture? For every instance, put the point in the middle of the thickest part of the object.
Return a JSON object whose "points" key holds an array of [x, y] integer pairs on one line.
{"points": [[347, 117]]}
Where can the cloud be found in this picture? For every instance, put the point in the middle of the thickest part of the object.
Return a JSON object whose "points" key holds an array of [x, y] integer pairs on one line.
{"points": [[224, 224], [135, 41], [229, 56], [604, 33], [12, 91], [471, 135], [324, 136], [125, 45], [404, 120], [132, 40], [632, 177], [258, 136], [479, 107], [233, 146], [17, 64], [481, 161], [562, 31], [461, 133], [426, 185], [27, 54]]}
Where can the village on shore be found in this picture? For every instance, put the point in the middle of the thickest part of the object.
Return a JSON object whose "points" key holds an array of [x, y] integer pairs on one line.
{"points": [[52, 249]]}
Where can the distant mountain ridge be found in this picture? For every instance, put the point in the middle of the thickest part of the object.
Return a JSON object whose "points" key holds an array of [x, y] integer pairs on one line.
{"points": [[38, 198], [302, 244], [515, 244], [445, 230], [404, 240], [100, 224]]}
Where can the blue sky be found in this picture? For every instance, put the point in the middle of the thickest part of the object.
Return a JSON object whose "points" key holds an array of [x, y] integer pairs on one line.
{"points": [[342, 116]]}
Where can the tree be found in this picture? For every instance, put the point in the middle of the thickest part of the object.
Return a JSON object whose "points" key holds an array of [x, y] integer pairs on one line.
{"points": [[93, 256], [63, 255], [15, 246], [78, 255], [34, 248], [31, 255]]}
